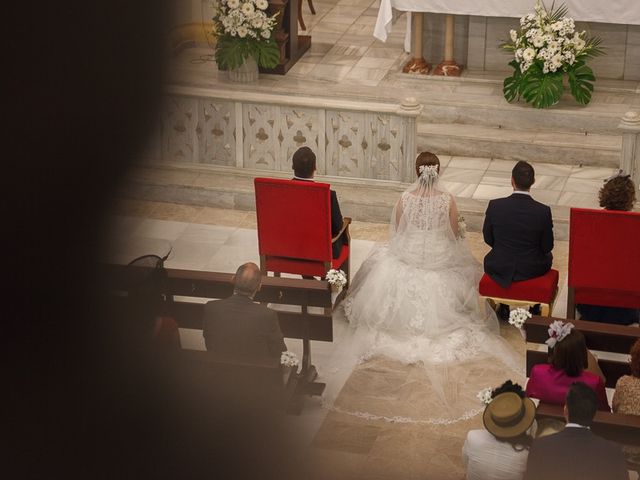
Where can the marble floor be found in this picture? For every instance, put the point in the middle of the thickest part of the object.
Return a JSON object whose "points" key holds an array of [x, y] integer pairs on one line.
{"points": [[339, 445]]}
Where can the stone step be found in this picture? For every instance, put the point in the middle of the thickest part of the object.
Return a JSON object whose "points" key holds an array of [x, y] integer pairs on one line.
{"points": [[363, 200], [533, 146], [480, 101]]}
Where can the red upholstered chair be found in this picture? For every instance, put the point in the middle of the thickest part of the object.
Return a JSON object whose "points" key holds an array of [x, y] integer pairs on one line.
{"points": [[542, 290], [294, 228], [604, 259]]}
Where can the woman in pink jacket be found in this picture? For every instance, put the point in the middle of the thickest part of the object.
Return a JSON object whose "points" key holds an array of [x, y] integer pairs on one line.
{"points": [[567, 364]]}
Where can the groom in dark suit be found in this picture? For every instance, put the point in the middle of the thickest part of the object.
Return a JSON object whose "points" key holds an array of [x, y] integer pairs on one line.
{"points": [[304, 168], [575, 452], [519, 231]]}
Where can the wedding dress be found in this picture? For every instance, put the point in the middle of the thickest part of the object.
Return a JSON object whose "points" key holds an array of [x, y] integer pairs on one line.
{"points": [[415, 302]]}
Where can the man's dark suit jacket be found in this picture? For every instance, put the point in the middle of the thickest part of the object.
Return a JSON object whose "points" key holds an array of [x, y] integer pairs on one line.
{"points": [[575, 453], [520, 233], [238, 328], [336, 221]]}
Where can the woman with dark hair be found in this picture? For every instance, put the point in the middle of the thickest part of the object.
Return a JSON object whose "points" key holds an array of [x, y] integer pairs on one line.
{"points": [[618, 193], [500, 450], [568, 361]]}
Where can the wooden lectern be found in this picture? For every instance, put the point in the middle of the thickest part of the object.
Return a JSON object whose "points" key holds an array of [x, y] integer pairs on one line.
{"points": [[292, 46]]}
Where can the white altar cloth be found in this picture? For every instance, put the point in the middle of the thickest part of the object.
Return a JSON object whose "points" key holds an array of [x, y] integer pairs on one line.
{"points": [[616, 11]]}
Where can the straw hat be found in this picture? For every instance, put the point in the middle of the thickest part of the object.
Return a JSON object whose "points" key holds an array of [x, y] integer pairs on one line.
{"points": [[508, 415]]}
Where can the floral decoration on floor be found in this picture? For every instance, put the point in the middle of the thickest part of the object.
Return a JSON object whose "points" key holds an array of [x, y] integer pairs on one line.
{"points": [[546, 48], [244, 29]]}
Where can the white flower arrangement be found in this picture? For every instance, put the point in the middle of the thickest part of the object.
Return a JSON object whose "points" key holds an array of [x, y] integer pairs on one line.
{"points": [[558, 330], [289, 359], [462, 227], [547, 42], [244, 29], [484, 395], [337, 278], [428, 171], [518, 317]]}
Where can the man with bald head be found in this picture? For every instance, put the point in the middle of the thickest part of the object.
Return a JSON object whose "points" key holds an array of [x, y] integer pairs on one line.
{"points": [[237, 327]]}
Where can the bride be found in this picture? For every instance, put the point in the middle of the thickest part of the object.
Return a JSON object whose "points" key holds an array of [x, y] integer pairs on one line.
{"points": [[415, 302]]}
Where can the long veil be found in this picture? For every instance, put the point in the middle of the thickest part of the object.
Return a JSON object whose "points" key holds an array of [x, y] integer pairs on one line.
{"points": [[414, 342]]}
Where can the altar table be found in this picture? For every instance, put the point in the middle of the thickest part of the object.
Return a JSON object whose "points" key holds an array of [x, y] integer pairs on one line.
{"points": [[626, 12]]}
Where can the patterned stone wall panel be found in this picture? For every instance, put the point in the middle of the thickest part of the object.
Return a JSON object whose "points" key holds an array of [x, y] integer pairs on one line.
{"points": [[215, 132], [345, 143], [179, 142], [298, 127], [260, 124], [384, 145]]}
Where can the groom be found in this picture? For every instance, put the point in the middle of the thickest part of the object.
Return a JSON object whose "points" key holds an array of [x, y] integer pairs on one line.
{"points": [[519, 231], [304, 168]]}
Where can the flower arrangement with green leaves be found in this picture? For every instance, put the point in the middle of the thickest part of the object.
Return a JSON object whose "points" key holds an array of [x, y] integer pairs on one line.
{"points": [[244, 29], [546, 47]]}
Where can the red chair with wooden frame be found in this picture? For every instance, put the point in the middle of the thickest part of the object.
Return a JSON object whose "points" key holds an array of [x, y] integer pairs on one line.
{"points": [[604, 259], [294, 228]]}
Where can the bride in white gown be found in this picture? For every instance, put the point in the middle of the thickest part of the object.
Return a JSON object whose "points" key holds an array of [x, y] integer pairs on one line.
{"points": [[415, 301]]}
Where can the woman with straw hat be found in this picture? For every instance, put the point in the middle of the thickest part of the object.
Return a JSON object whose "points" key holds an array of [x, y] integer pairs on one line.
{"points": [[500, 451]]}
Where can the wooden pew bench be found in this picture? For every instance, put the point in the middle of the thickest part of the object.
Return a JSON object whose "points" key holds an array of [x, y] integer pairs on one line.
{"points": [[600, 337], [188, 291]]}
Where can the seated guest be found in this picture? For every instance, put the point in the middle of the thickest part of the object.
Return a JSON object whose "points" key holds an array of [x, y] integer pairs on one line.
{"points": [[626, 399], [304, 168], [239, 328], [146, 311], [519, 231], [500, 450], [575, 452], [618, 193], [567, 364]]}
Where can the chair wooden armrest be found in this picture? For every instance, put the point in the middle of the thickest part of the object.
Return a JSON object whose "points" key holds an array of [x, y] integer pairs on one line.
{"points": [[345, 228]]}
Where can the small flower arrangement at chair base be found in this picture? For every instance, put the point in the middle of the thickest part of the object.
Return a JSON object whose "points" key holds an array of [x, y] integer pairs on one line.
{"points": [[337, 279], [245, 39], [289, 359], [546, 48]]}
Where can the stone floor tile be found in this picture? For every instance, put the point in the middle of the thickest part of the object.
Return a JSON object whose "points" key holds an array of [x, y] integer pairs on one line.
{"points": [[470, 163]]}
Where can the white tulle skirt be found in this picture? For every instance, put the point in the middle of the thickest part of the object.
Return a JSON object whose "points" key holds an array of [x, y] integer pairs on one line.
{"points": [[418, 316]]}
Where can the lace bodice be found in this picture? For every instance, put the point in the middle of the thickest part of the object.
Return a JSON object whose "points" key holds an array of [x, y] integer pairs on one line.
{"points": [[426, 212]]}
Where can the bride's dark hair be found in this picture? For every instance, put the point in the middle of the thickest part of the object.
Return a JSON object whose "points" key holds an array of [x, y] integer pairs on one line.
{"points": [[426, 158]]}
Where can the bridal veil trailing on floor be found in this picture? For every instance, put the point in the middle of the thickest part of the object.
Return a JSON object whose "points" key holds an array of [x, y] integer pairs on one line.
{"points": [[419, 344]]}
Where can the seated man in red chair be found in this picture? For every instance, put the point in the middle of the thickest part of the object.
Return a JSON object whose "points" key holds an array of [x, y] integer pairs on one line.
{"points": [[304, 168], [519, 231]]}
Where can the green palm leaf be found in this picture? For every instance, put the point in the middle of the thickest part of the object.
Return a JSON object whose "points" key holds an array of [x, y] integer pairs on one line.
{"points": [[511, 85], [581, 80], [541, 89]]}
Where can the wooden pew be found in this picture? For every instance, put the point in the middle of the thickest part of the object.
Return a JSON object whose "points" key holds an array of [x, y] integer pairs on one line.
{"points": [[192, 286], [617, 427], [604, 259]]}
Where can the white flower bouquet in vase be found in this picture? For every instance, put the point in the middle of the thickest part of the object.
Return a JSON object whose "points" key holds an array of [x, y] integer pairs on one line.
{"points": [[244, 34], [546, 48], [337, 279]]}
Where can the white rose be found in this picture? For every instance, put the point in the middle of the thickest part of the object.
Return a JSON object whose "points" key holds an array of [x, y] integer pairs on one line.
{"points": [[262, 4], [242, 31], [514, 35], [265, 33], [579, 43], [529, 54], [233, 3], [538, 41]]}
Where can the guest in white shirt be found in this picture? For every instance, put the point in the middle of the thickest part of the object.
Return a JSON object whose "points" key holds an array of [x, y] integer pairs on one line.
{"points": [[499, 452]]}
